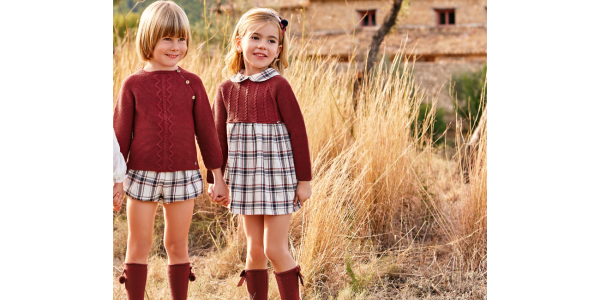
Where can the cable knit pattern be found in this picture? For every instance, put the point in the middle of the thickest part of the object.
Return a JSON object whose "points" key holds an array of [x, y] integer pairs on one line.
{"points": [[161, 120], [265, 105], [276, 93], [165, 145], [169, 125], [256, 108], [246, 102], [272, 103], [229, 103], [158, 119], [237, 102]]}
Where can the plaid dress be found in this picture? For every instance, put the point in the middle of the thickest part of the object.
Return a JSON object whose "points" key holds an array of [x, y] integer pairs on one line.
{"points": [[260, 170]]}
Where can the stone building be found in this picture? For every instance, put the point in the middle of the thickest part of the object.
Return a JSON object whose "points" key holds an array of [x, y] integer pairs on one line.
{"points": [[442, 36], [438, 30]]}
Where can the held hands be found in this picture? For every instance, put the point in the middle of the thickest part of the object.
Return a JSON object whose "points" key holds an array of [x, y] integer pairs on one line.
{"points": [[117, 196], [218, 192], [216, 197], [303, 192]]}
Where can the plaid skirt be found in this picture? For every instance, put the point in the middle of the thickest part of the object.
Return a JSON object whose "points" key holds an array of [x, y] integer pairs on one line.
{"points": [[163, 187], [260, 169]]}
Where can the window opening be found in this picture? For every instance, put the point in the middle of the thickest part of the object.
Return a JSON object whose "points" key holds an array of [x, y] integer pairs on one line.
{"points": [[368, 17], [445, 17]]}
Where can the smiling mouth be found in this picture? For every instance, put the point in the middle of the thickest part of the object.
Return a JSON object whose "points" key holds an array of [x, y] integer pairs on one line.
{"points": [[172, 55], [260, 55]]}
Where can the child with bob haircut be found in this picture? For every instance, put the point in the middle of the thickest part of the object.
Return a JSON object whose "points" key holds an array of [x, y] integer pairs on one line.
{"points": [[161, 111], [266, 159]]}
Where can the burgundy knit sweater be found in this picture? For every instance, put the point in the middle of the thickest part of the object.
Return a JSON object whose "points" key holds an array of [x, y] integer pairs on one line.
{"points": [[157, 116], [270, 101]]}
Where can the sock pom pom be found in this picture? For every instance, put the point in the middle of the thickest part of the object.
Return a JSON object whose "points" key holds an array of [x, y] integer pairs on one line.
{"points": [[122, 279]]}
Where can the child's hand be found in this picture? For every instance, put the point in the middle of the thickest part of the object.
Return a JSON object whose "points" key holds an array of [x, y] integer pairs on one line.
{"points": [[216, 200], [220, 193], [222, 200], [303, 192], [117, 196], [211, 193], [117, 188], [117, 201]]}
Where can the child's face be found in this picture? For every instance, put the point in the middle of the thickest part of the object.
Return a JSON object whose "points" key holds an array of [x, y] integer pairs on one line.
{"points": [[168, 52], [260, 47]]}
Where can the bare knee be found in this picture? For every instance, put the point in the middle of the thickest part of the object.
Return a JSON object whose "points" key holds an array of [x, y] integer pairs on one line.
{"points": [[276, 253], [256, 250], [138, 249], [177, 248]]}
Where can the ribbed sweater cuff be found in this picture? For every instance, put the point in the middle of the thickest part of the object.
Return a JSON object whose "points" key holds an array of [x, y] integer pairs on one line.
{"points": [[209, 177], [303, 177]]}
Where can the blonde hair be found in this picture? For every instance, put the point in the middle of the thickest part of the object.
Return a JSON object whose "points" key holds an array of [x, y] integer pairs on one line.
{"points": [[234, 61], [161, 19]]}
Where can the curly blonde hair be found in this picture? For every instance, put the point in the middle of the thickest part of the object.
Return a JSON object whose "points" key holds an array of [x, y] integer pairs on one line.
{"points": [[234, 61]]}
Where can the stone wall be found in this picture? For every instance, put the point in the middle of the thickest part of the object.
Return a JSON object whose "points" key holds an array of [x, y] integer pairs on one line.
{"points": [[467, 12], [337, 16], [434, 78], [334, 16]]}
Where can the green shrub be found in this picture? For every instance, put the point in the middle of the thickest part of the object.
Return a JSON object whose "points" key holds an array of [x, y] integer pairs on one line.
{"points": [[468, 90], [133, 20], [437, 129]]}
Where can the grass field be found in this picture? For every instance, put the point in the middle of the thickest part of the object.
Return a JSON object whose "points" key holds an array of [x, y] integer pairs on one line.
{"points": [[391, 216]]}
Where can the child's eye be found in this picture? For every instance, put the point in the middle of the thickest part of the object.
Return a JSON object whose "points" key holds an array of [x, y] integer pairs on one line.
{"points": [[272, 41], [181, 39], [167, 39], [254, 38]]}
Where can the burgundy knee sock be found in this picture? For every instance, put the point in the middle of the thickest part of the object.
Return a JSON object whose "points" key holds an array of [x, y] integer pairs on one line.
{"points": [[178, 276], [257, 283], [134, 278], [287, 282]]}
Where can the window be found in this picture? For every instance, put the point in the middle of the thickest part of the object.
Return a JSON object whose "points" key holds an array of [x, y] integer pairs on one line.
{"points": [[368, 17], [445, 17]]}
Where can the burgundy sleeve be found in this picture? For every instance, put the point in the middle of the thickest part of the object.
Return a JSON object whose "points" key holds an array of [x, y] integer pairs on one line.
{"points": [[123, 116], [206, 135], [220, 115], [294, 122]]}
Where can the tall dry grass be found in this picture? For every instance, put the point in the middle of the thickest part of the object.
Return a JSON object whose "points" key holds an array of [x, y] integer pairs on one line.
{"points": [[389, 218]]}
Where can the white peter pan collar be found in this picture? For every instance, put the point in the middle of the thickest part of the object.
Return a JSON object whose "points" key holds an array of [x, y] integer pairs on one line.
{"points": [[260, 77]]}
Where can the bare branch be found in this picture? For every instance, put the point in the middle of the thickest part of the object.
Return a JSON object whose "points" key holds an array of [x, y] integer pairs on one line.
{"points": [[388, 23]]}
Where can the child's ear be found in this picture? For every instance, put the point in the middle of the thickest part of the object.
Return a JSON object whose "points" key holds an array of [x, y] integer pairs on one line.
{"points": [[279, 49], [238, 44]]}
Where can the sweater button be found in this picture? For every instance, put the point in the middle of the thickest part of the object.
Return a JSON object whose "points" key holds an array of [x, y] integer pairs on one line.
{"points": [[194, 97], [195, 163], [178, 71], [187, 82]]}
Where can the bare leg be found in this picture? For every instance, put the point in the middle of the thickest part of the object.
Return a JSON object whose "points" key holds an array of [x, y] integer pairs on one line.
{"points": [[254, 228], [276, 242], [140, 222], [178, 216]]}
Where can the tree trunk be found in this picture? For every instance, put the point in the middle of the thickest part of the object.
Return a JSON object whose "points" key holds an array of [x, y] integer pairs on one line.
{"points": [[388, 23], [477, 133], [471, 147]]}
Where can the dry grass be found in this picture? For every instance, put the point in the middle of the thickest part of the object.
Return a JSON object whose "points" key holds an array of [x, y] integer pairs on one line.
{"points": [[390, 218]]}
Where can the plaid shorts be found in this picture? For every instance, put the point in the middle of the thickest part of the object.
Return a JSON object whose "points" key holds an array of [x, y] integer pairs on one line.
{"points": [[163, 187], [260, 169]]}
